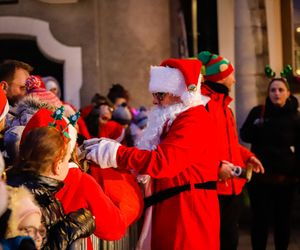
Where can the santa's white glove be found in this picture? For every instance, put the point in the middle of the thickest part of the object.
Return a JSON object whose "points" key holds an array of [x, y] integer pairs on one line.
{"points": [[103, 153]]}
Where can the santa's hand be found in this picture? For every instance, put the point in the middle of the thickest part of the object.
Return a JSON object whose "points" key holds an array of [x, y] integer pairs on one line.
{"points": [[104, 153], [90, 142]]}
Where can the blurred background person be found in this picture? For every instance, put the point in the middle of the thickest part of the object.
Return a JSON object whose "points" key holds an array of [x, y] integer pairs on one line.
{"points": [[13, 75], [273, 129], [52, 85]]}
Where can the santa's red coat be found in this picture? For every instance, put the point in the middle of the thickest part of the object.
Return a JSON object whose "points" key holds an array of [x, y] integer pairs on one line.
{"points": [[186, 154]]}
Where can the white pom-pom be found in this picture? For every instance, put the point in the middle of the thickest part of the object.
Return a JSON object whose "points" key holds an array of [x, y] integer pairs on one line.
{"points": [[191, 98]]}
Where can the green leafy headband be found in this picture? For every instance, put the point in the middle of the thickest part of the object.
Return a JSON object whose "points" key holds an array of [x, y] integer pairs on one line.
{"points": [[58, 115], [284, 74]]}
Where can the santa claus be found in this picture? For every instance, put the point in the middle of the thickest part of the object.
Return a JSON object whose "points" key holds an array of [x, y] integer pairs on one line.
{"points": [[178, 151]]}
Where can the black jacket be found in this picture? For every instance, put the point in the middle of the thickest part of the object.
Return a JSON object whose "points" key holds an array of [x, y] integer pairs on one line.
{"points": [[62, 229], [274, 134]]}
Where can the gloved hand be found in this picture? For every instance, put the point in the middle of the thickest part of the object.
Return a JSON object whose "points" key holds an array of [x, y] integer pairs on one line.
{"points": [[103, 153]]}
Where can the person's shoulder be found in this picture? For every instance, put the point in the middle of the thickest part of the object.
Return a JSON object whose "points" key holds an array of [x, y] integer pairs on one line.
{"points": [[257, 108], [193, 114]]}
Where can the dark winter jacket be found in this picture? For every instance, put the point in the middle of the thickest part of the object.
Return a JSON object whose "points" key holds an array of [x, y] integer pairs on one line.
{"points": [[62, 229], [274, 136]]}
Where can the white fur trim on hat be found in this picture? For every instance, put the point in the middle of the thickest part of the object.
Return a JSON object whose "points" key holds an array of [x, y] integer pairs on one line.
{"points": [[192, 97], [168, 80], [5, 111]]}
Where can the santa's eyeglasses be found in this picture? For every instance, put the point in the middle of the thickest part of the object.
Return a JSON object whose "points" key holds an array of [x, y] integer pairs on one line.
{"points": [[159, 95]]}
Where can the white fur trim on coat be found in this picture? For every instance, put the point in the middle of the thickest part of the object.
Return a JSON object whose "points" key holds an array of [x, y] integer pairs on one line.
{"points": [[165, 79]]}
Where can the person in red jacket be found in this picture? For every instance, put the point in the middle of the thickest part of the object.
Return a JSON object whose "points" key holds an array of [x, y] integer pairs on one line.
{"points": [[177, 150], [219, 79]]}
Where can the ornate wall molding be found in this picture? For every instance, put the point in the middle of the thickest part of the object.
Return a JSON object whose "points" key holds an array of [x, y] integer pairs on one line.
{"points": [[70, 56]]}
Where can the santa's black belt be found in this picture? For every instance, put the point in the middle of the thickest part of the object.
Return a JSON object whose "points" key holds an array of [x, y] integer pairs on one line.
{"points": [[170, 192]]}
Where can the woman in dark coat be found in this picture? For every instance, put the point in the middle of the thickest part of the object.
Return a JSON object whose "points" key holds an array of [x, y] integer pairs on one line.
{"points": [[273, 131]]}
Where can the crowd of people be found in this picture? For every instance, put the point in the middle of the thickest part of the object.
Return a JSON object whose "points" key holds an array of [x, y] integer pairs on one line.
{"points": [[177, 168]]}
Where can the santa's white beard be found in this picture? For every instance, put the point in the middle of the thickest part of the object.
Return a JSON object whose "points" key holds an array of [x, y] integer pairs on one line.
{"points": [[157, 118]]}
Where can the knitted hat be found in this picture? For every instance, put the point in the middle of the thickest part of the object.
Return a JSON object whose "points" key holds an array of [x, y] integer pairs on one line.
{"points": [[4, 106], [35, 88], [22, 204], [216, 67], [180, 77]]}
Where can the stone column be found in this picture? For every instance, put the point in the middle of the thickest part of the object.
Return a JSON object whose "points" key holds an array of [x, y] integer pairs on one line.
{"points": [[251, 55]]}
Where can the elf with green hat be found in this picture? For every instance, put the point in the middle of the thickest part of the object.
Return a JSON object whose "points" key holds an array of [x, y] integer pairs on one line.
{"points": [[218, 80]]}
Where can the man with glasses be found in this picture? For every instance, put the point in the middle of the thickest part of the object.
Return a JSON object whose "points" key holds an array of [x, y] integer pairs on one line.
{"points": [[178, 151], [13, 75]]}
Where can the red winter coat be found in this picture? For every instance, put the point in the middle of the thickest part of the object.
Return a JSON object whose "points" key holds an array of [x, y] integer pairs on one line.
{"points": [[82, 191], [186, 154], [227, 138]]}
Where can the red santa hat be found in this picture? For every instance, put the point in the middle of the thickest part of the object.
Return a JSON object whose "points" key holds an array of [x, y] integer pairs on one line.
{"points": [[35, 87], [43, 118], [4, 106], [180, 77]]}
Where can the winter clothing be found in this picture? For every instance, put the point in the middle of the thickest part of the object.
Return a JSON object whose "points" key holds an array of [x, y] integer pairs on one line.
{"points": [[35, 88], [216, 67], [76, 193], [275, 138], [189, 220], [229, 150], [62, 229]]}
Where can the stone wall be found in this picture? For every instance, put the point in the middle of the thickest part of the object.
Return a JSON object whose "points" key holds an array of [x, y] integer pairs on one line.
{"points": [[119, 39]]}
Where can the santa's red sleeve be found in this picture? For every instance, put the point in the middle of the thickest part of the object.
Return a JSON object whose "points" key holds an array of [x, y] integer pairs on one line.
{"points": [[185, 141]]}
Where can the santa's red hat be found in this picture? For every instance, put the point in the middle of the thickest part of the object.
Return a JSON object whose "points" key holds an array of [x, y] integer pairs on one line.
{"points": [[35, 87], [4, 106], [180, 77]]}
